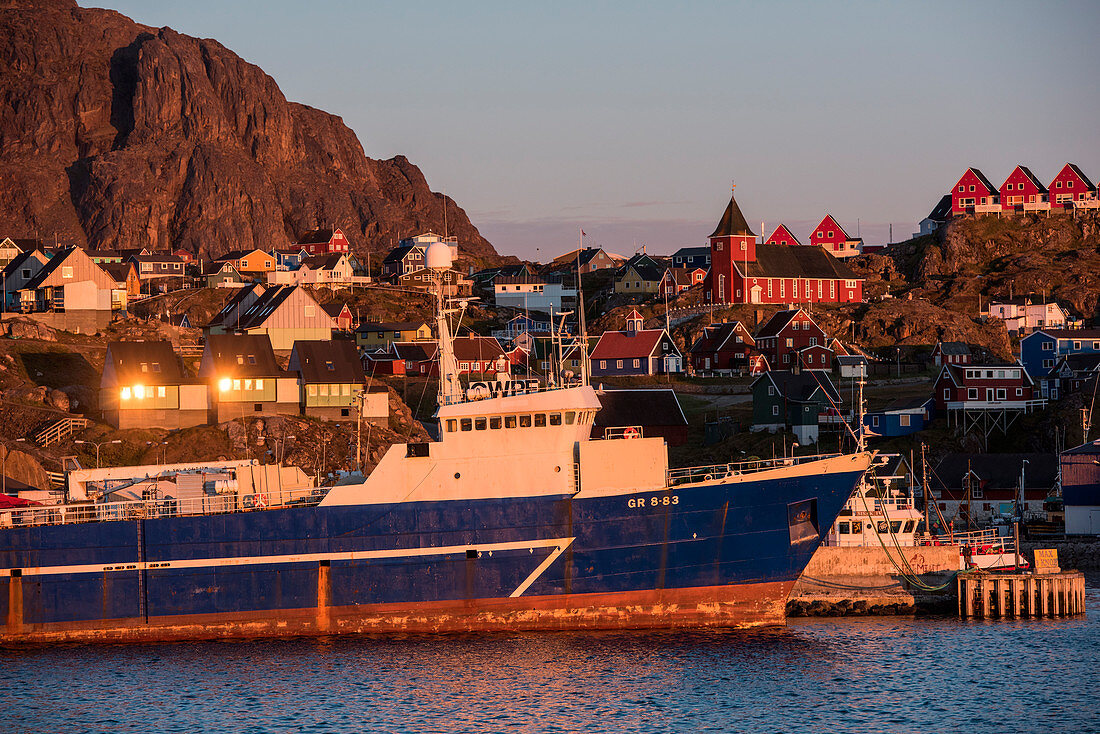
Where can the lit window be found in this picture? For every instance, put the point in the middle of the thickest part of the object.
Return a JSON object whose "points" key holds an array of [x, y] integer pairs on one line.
{"points": [[259, 384], [161, 391]]}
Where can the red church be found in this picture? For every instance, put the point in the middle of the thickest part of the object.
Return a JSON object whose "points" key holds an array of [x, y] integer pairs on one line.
{"points": [[743, 271]]}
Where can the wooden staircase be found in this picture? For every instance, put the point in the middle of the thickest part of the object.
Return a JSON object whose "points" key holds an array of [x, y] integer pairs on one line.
{"points": [[59, 429]]}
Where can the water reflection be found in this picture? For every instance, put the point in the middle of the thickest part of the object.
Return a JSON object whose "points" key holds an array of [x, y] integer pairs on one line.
{"points": [[862, 674]]}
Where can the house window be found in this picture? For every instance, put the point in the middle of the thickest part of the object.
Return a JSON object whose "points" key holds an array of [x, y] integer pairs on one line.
{"points": [[259, 384], [323, 390], [775, 410], [1048, 346], [786, 359], [1019, 392], [175, 266], [962, 187], [603, 364], [971, 187], [25, 273], [1001, 393], [1048, 363], [309, 310], [813, 341], [618, 364], [252, 359], [464, 366], [790, 342], [161, 391], [874, 421], [147, 267], [904, 418], [972, 393], [771, 390], [1076, 345], [330, 366], [637, 363], [311, 391], [947, 393], [66, 272]]}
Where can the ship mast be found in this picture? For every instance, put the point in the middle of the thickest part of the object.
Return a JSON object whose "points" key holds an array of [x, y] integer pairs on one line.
{"points": [[438, 259]]}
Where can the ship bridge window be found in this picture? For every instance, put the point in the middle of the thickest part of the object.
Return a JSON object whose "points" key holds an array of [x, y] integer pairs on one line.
{"points": [[494, 422], [895, 526], [843, 528], [540, 420], [525, 421], [555, 419], [467, 424], [452, 425], [570, 416], [909, 524], [509, 421], [480, 424]]}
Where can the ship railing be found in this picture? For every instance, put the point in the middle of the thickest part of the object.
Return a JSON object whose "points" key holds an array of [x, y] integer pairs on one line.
{"points": [[157, 508], [688, 475], [973, 538]]}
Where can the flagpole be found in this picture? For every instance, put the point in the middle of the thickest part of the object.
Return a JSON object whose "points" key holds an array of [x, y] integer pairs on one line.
{"points": [[580, 311]]}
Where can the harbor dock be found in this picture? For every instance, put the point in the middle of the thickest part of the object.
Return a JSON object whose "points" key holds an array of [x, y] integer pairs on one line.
{"points": [[1020, 595]]}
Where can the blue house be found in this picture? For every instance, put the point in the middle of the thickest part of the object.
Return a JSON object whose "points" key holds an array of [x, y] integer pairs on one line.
{"points": [[1041, 350], [289, 258], [899, 418], [691, 257]]}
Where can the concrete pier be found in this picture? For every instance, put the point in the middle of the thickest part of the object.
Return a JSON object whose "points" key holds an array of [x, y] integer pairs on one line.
{"points": [[1020, 595], [854, 580]]}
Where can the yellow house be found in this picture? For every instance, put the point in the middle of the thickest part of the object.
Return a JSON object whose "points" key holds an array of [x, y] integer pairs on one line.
{"points": [[380, 335], [640, 274]]}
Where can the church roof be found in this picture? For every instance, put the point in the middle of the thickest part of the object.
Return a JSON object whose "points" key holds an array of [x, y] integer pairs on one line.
{"points": [[733, 222]]}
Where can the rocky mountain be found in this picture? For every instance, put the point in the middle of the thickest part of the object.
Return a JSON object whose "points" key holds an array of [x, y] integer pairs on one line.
{"points": [[115, 134]]}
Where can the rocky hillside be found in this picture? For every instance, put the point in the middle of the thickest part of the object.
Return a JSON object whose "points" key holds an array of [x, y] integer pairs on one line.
{"points": [[988, 257], [115, 134]]}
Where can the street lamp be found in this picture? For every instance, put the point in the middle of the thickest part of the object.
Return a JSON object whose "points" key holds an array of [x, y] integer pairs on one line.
{"points": [[163, 451], [97, 446]]}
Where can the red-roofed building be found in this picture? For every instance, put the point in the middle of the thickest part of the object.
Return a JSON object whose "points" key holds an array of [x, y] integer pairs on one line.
{"points": [[783, 236], [1022, 191], [635, 351], [972, 190], [831, 236], [1070, 185]]}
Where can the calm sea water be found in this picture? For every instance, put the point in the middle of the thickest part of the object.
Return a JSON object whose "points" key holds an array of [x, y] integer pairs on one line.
{"points": [[859, 675]]}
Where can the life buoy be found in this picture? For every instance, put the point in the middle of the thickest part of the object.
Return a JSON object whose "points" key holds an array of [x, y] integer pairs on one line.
{"points": [[260, 500], [631, 433], [708, 477]]}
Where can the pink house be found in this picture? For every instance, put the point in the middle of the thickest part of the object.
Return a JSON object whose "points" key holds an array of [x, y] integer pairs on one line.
{"points": [[1022, 191], [972, 190]]}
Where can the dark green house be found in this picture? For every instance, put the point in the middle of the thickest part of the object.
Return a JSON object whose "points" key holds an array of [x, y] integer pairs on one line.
{"points": [[794, 401]]}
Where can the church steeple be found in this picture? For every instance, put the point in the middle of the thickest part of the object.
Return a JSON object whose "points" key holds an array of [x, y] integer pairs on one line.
{"points": [[733, 222]]}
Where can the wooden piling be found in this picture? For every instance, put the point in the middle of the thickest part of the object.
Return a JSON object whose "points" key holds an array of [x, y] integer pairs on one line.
{"points": [[1021, 595]]}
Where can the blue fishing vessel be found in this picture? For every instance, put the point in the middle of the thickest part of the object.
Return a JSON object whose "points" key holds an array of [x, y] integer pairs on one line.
{"points": [[514, 520]]}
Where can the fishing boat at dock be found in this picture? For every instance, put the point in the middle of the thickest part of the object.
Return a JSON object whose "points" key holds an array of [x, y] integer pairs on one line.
{"points": [[515, 519]]}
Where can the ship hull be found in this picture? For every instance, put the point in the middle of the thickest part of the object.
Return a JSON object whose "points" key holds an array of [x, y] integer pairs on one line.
{"points": [[713, 555]]}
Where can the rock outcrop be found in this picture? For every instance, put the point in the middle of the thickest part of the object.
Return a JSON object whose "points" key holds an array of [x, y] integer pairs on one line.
{"points": [[115, 134]]}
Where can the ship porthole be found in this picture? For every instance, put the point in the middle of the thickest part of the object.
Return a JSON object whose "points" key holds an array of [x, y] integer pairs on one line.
{"points": [[457, 475], [557, 468]]}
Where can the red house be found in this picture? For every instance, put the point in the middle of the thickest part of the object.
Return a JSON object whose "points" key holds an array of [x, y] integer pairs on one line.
{"points": [[783, 236], [722, 347], [817, 357], [742, 271], [341, 314], [1070, 185], [323, 242], [984, 387], [1021, 191], [831, 236], [786, 334], [677, 280], [972, 190]]}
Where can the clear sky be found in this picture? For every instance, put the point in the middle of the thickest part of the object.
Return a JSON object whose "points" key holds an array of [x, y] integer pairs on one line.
{"points": [[630, 119]]}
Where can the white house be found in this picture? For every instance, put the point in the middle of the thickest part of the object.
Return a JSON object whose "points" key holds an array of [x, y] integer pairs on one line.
{"points": [[530, 292]]}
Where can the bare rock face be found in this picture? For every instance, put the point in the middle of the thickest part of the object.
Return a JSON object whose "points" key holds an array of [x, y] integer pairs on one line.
{"points": [[120, 135]]}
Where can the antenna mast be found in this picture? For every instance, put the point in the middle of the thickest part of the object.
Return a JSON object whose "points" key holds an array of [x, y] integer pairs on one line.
{"points": [[581, 329]]}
